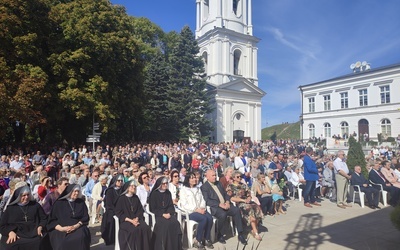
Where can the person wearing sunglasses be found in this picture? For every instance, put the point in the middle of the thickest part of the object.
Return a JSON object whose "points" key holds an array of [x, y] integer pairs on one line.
{"points": [[251, 211]]}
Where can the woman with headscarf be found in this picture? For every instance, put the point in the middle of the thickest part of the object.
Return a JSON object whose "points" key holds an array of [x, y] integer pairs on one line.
{"points": [[111, 196], [22, 223], [68, 221], [167, 232], [133, 233]]}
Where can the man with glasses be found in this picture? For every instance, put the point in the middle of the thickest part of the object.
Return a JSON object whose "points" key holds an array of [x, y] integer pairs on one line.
{"points": [[51, 197], [342, 179]]}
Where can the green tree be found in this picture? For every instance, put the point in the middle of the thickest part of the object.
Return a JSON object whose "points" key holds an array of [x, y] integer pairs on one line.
{"points": [[158, 117], [356, 156], [187, 89], [96, 67], [273, 136], [24, 35]]}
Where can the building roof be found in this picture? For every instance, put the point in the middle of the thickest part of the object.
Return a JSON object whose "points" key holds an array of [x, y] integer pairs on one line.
{"points": [[356, 74]]}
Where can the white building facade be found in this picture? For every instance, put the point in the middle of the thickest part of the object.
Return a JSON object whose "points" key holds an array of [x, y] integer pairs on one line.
{"points": [[367, 103], [224, 33]]}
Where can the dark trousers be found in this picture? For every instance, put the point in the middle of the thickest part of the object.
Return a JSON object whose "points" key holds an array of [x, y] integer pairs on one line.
{"points": [[205, 224], [221, 215], [372, 195], [309, 192], [266, 204]]}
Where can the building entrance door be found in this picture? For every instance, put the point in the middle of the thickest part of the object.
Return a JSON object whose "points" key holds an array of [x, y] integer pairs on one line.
{"points": [[363, 130], [238, 135]]}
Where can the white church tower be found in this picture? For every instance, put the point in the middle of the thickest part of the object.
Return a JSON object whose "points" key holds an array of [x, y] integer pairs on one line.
{"points": [[224, 33]]}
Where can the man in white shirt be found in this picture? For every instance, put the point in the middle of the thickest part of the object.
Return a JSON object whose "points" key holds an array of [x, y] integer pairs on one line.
{"points": [[342, 180], [16, 164]]}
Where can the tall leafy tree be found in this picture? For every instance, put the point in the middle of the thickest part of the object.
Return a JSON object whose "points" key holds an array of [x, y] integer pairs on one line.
{"points": [[188, 89], [96, 66], [24, 32]]}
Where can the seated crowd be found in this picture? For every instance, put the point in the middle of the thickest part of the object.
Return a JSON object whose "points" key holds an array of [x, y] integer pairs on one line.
{"points": [[49, 200]]}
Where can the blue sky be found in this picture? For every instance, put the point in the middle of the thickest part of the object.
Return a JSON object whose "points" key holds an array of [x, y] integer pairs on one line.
{"points": [[302, 41]]}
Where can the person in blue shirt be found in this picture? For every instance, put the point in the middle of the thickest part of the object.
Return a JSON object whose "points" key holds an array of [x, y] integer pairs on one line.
{"points": [[311, 176]]}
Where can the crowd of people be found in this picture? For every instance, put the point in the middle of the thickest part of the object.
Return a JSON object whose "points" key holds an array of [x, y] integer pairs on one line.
{"points": [[48, 199]]}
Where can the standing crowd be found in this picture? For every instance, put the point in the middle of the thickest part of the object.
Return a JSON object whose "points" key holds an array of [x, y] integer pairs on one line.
{"points": [[48, 200]]}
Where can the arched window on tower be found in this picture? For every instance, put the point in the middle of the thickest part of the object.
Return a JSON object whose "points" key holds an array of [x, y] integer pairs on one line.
{"points": [[204, 56], [236, 62], [236, 7], [386, 128], [206, 9]]}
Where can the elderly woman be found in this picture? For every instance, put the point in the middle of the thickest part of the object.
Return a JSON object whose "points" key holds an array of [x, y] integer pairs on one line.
{"points": [[277, 194], [22, 223], [134, 233], [264, 194], [251, 211], [167, 232], [193, 203], [389, 174], [68, 221], [97, 194], [111, 196]]}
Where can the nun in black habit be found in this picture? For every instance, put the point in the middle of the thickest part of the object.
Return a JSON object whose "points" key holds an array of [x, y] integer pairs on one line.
{"points": [[167, 233], [111, 196], [68, 221], [134, 233], [22, 223]]}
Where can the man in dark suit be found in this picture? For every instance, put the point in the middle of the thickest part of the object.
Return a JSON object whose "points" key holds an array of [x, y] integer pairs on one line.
{"points": [[219, 202], [187, 159], [377, 177], [372, 193]]}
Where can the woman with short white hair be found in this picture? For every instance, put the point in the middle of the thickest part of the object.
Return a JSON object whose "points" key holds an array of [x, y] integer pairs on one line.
{"points": [[98, 195]]}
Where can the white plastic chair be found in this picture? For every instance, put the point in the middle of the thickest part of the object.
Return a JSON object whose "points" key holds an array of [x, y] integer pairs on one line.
{"points": [[383, 192], [190, 226], [213, 229], [299, 191], [360, 194], [116, 233], [153, 217]]}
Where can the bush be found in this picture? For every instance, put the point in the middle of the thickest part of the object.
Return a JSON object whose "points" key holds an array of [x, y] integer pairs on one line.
{"points": [[356, 156], [395, 217], [373, 143], [390, 139]]}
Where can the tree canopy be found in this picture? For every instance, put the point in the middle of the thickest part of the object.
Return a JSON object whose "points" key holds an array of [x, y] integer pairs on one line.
{"points": [[63, 63]]}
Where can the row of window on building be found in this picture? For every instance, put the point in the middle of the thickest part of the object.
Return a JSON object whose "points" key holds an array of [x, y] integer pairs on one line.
{"points": [[385, 125], [344, 99]]}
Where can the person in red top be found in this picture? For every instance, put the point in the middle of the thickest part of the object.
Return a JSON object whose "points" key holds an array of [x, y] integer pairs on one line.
{"points": [[44, 187], [196, 161]]}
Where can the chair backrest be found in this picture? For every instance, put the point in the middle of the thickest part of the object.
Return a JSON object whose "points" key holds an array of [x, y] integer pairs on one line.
{"points": [[116, 233]]}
